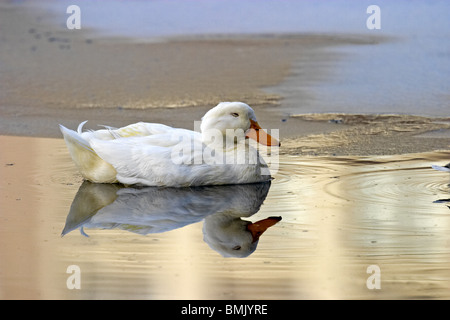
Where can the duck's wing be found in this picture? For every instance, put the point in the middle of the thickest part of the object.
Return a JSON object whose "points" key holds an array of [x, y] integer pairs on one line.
{"points": [[140, 129], [150, 160]]}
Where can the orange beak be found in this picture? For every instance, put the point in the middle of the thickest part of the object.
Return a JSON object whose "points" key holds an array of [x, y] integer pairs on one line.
{"points": [[256, 133], [258, 228]]}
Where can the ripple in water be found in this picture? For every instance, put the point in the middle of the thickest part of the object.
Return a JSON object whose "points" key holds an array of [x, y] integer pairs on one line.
{"points": [[371, 198], [392, 184]]}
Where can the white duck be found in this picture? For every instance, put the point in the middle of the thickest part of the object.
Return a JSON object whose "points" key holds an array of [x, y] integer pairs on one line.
{"points": [[154, 154]]}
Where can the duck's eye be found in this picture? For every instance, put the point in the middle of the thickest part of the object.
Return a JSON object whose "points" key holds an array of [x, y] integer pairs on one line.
{"points": [[238, 247], [235, 114]]}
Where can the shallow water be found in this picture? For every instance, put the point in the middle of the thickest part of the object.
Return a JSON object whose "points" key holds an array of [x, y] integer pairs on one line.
{"points": [[408, 74], [340, 215]]}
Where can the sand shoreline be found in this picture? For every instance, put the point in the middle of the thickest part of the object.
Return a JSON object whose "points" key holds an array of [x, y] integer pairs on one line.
{"points": [[51, 75]]}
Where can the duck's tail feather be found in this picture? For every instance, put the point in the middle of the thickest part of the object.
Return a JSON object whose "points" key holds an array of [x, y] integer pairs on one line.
{"points": [[74, 139], [91, 166]]}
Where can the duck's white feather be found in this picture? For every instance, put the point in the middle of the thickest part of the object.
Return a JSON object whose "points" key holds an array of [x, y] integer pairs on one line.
{"points": [[154, 161], [158, 155], [90, 165]]}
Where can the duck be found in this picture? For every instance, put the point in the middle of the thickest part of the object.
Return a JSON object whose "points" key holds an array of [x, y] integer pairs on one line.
{"points": [[154, 154]]}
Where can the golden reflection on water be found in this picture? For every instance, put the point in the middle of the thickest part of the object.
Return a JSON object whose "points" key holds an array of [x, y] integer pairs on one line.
{"points": [[146, 210], [339, 216]]}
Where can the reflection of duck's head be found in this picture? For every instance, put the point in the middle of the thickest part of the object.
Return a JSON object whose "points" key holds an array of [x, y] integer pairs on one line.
{"points": [[231, 236], [155, 210], [228, 234]]}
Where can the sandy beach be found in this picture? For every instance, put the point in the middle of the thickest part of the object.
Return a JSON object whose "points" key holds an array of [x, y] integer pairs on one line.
{"points": [[52, 75], [353, 188]]}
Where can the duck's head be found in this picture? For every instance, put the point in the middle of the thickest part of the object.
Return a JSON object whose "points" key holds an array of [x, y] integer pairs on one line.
{"points": [[234, 117]]}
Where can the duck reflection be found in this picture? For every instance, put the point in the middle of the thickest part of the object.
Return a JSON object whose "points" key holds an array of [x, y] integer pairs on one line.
{"points": [[155, 210]]}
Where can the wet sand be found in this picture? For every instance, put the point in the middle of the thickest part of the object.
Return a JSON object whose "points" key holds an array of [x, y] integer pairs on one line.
{"points": [[54, 74], [51, 75], [353, 190]]}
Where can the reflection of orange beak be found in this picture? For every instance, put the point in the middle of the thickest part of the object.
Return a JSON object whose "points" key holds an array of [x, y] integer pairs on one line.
{"points": [[258, 228], [256, 133]]}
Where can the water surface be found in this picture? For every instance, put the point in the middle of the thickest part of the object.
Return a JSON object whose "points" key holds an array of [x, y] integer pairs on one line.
{"points": [[407, 74], [339, 216]]}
